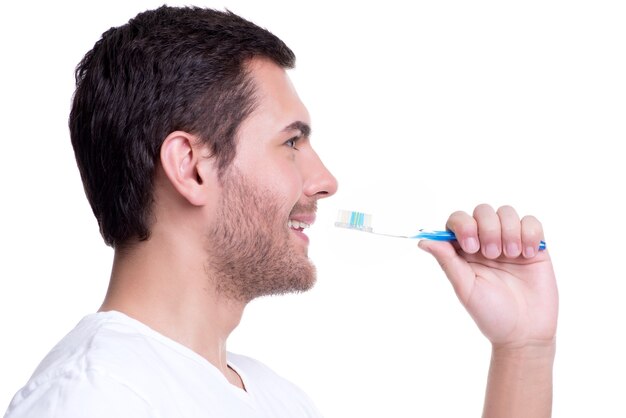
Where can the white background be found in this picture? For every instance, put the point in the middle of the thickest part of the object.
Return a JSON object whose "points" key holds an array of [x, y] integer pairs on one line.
{"points": [[419, 111]]}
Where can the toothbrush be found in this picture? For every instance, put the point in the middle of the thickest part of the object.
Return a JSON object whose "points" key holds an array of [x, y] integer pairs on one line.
{"points": [[363, 222]]}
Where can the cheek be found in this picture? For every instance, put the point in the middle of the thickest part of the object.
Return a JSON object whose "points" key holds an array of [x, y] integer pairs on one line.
{"points": [[288, 190], [287, 186], [278, 177], [283, 174]]}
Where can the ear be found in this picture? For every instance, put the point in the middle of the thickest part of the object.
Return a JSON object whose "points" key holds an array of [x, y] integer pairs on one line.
{"points": [[184, 160]]}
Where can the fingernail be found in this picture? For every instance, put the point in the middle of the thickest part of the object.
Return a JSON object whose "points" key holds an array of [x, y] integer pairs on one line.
{"points": [[529, 252], [423, 247], [491, 251], [512, 249], [470, 245]]}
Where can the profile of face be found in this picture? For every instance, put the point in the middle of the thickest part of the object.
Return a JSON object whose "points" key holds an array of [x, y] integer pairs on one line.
{"points": [[257, 246]]}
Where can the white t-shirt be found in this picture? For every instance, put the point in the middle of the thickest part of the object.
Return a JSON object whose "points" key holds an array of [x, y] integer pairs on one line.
{"points": [[116, 367]]}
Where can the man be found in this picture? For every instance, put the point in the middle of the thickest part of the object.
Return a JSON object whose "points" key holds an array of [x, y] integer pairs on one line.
{"points": [[194, 151]]}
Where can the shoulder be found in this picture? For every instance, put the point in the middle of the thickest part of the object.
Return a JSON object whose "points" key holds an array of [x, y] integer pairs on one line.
{"points": [[95, 369], [89, 393], [102, 344], [82, 375]]}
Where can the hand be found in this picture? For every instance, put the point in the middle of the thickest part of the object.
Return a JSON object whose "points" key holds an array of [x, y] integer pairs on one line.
{"points": [[498, 274]]}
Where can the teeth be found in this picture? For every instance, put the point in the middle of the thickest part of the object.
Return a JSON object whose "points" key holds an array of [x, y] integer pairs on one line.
{"points": [[297, 224]]}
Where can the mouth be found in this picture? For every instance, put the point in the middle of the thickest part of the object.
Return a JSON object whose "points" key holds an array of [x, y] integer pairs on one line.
{"points": [[298, 223]]}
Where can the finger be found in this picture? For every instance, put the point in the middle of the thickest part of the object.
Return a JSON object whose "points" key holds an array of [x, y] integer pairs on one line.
{"points": [[489, 231], [465, 229], [532, 233], [510, 229], [458, 271]]}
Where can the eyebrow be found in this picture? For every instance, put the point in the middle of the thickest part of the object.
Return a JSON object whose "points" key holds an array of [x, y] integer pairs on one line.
{"points": [[305, 128]]}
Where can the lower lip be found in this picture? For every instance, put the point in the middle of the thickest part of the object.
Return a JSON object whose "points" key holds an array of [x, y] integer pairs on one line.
{"points": [[300, 234]]}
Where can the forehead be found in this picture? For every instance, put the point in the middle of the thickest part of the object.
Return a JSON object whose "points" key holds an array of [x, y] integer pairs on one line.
{"points": [[277, 104], [271, 81]]}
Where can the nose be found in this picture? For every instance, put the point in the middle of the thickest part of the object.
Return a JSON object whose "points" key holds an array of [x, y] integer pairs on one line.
{"points": [[318, 181]]}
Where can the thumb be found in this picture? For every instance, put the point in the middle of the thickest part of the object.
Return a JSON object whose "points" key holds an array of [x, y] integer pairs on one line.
{"points": [[458, 271]]}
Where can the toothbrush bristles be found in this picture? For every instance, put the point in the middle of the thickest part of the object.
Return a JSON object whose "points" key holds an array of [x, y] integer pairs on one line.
{"points": [[354, 220]]}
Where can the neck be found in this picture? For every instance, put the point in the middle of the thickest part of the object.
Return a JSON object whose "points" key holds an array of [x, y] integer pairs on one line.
{"points": [[166, 287]]}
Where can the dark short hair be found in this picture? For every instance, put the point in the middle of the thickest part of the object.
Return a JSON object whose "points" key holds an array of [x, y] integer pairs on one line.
{"points": [[165, 70]]}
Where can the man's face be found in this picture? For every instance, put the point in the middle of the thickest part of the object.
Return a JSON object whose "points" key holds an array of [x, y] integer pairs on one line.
{"points": [[269, 195]]}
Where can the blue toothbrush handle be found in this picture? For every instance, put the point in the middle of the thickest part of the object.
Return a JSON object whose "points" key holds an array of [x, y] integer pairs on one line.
{"points": [[449, 236]]}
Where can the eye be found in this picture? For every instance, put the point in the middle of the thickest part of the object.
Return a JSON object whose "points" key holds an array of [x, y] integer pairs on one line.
{"points": [[291, 142]]}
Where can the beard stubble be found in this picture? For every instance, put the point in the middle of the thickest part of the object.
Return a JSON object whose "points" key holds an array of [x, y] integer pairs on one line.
{"points": [[250, 249]]}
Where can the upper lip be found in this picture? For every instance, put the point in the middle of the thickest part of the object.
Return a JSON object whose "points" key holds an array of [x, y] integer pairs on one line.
{"points": [[307, 218]]}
